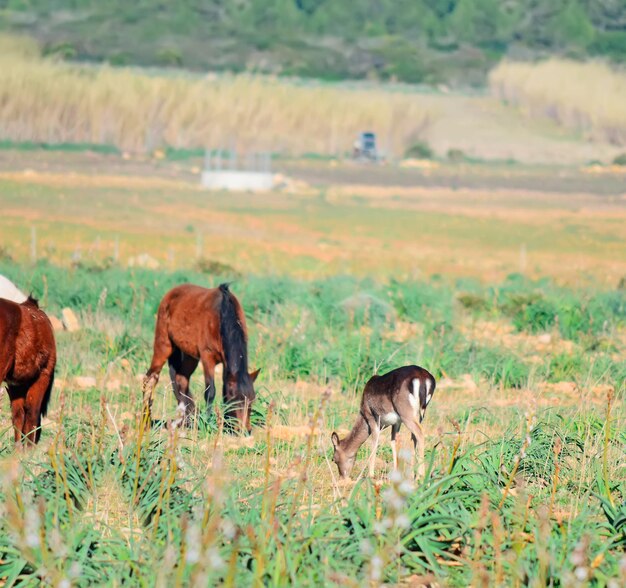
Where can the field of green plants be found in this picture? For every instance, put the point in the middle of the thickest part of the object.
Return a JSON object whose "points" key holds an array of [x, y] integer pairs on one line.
{"points": [[526, 437]]}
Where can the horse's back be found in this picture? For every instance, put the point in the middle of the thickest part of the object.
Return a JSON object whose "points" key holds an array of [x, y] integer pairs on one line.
{"points": [[189, 298], [29, 338], [10, 319], [189, 317], [37, 328]]}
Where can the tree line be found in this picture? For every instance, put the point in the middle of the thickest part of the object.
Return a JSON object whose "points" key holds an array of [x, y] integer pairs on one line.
{"points": [[410, 40]]}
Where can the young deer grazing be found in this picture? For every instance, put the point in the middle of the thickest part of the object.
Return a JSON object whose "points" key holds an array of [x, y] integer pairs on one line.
{"points": [[401, 396]]}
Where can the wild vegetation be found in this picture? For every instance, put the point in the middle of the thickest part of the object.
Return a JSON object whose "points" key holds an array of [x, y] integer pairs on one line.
{"points": [[586, 97], [525, 432], [509, 289], [429, 41], [42, 100], [524, 484]]}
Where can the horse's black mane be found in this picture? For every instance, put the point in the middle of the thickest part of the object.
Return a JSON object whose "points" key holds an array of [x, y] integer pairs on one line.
{"points": [[32, 301], [233, 337]]}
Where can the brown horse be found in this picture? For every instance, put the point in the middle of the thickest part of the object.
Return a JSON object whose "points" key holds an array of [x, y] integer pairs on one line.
{"points": [[27, 360], [195, 325]]}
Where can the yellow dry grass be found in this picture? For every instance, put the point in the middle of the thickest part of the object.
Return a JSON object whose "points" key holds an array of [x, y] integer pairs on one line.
{"points": [[587, 97], [48, 101]]}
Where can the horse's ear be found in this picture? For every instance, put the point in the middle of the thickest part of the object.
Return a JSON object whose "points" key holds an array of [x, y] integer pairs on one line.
{"points": [[254, 374], [335, 439]]}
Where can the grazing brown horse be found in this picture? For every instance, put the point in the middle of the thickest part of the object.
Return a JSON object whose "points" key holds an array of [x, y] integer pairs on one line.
{"points": [[195, 325], [27, 360]]}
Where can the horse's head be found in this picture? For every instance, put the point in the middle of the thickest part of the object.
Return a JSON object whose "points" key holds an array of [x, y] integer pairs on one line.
{"points": [[239, 392]]}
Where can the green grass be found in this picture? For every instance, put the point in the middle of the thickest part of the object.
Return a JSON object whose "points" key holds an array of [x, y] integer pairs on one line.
{"points": [[513, 495], [196, 525], [62, 147]]}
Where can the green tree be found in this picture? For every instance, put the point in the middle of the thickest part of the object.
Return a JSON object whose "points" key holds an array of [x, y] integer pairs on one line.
{"points": [[572, 27], [481, 22]]}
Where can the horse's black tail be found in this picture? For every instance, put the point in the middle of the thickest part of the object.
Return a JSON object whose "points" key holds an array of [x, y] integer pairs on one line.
{"points": [[231, 331], [46, 396]]}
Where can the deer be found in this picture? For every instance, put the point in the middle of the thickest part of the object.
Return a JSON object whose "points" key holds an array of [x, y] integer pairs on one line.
{"points": [[398, 397]]}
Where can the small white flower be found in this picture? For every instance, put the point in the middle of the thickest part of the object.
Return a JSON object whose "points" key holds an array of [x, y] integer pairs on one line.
{"points": [[215, 559], [577, 558], [75, 570], [377, 568], [193, 555], [581, 573], [228, 529], [403, 521], [395, 477], [405, 454], [406, 487]]}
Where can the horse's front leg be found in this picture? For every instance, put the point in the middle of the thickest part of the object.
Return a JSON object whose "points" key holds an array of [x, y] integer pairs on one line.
{"points": [[209, 361]]}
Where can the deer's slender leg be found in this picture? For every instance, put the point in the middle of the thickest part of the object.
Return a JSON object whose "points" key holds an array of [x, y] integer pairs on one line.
{"points": [[394, 447], [417, 436], [375, 439]]}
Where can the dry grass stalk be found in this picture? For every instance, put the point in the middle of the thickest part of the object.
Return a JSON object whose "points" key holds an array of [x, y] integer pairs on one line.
{"points": [[586, 97], [47, 101]]}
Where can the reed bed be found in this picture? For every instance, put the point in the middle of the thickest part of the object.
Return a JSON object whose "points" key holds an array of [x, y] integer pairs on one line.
{"points": [[585, 97], [54, 102]]}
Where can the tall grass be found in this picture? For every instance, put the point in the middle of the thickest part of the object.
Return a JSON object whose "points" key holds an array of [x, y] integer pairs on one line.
{"points": [[103, 501], [54, 102], [586, 97], [198, 525]]}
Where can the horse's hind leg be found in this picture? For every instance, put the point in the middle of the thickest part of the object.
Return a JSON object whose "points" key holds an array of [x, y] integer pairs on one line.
{"points": [[32, 409], [17, 415], [181, 368]]}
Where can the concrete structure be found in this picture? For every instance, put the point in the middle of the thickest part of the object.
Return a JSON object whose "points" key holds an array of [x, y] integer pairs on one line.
{"points": [[226, 170], [241, 181]]}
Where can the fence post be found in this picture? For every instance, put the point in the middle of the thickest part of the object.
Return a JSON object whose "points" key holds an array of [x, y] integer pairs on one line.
{"points": [[33, 244], [199, 245]]}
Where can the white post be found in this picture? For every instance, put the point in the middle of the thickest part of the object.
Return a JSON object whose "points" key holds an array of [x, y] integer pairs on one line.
{"points": [[199, 245], [33, 244]]}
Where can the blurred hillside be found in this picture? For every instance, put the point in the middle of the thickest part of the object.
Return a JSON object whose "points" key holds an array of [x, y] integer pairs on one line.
{"points": [[431, 41]]}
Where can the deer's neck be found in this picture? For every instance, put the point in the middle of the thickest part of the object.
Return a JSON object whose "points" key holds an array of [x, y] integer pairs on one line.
{"points": [[357, 436]]}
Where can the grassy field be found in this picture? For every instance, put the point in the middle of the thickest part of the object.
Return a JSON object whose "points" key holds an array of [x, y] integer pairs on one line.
{"points": [[513, 298]]}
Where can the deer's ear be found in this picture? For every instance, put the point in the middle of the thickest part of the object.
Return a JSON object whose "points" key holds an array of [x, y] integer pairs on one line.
{"points": [[335, 439], [254, 374]]}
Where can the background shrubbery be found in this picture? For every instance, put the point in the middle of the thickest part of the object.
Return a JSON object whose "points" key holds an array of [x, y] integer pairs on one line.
{"points": [[411, 40]]}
